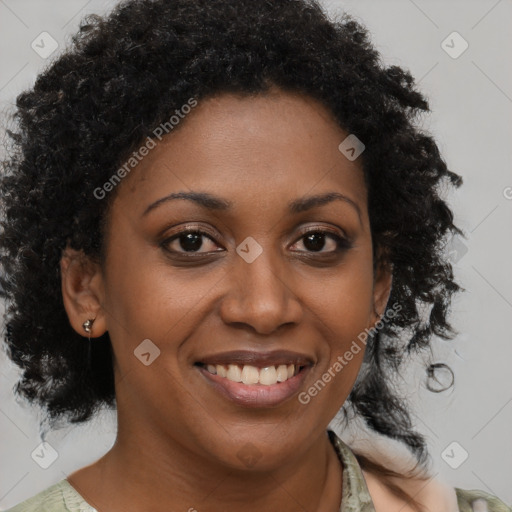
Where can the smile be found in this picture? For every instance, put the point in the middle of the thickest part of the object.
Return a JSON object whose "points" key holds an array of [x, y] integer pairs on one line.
{"points": [[251, 375], [255, 379]]}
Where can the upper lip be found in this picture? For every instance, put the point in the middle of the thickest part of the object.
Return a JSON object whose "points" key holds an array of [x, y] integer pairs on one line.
{"points": [[259, 359]]}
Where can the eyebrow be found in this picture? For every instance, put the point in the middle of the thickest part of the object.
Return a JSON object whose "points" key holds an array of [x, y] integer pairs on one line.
{"points": [[212, 202]]}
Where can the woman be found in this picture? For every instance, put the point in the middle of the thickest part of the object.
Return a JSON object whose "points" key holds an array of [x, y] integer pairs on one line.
{"points": [[214, 214]]}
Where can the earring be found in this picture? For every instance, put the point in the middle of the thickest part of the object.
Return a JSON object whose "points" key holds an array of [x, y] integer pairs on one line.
{"points": [[87, 325]]}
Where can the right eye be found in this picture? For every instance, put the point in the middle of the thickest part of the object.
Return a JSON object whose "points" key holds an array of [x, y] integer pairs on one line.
{"points": [[189, 241]]}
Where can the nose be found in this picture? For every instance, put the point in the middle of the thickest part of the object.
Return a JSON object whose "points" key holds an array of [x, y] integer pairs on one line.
{"points": [[261, 296]]}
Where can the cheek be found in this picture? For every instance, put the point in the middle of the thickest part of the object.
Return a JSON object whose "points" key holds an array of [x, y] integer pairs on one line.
{"points": [[343, 299], [342, 306], [148, 299]]}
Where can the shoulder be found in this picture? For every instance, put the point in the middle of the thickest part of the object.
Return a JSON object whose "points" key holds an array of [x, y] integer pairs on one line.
{"points": [[432, 494], [479, 501], [60, 497]]}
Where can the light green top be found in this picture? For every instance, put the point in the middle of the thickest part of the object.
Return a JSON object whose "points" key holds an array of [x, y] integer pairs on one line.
{"points": [[62, 497]]}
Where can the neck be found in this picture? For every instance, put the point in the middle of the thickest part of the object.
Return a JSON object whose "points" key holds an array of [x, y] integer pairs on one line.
{"points": [[147, 472]]}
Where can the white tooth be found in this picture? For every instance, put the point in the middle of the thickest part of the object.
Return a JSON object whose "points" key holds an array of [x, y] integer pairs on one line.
{"points": [[234, 373], [250, 374], [282, 373], [291, 370], [268, 376], [221, 370], [211, 368]]}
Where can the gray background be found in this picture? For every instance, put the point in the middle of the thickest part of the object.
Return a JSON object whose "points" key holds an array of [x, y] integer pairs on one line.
{"points": [[471, 102]]}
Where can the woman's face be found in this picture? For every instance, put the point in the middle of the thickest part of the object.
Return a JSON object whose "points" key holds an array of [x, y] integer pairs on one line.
{"points": [[255, 288]]}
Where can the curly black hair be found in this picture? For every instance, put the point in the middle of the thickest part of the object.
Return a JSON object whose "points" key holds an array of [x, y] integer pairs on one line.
{"points": [[123, 75]]}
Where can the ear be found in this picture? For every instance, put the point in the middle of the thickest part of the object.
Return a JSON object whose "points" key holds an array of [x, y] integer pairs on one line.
{"points": [[82, 292], [382, 282]]}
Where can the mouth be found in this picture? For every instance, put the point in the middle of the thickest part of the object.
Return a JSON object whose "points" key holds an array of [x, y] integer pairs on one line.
{"points": [[255, 379], [252, 375]]}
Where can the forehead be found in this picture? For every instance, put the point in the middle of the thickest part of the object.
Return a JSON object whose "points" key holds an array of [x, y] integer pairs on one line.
{"points": [[261, 149]]}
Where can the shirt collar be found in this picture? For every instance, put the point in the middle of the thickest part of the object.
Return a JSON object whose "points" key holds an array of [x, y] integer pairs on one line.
{"points": [[355, 494]]}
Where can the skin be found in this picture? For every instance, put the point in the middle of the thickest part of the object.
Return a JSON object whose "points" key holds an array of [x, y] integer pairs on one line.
{"points": [[178, 439]]}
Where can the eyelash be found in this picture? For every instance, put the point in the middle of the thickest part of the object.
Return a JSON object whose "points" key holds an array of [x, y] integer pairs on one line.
{"points": [[342, 244]]}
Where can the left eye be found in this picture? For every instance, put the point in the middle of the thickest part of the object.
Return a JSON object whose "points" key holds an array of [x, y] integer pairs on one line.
{"points": [[315, 241]]}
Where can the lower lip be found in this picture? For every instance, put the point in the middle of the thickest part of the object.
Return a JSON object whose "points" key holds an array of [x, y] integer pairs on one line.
{"points": [[256, 395]]}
